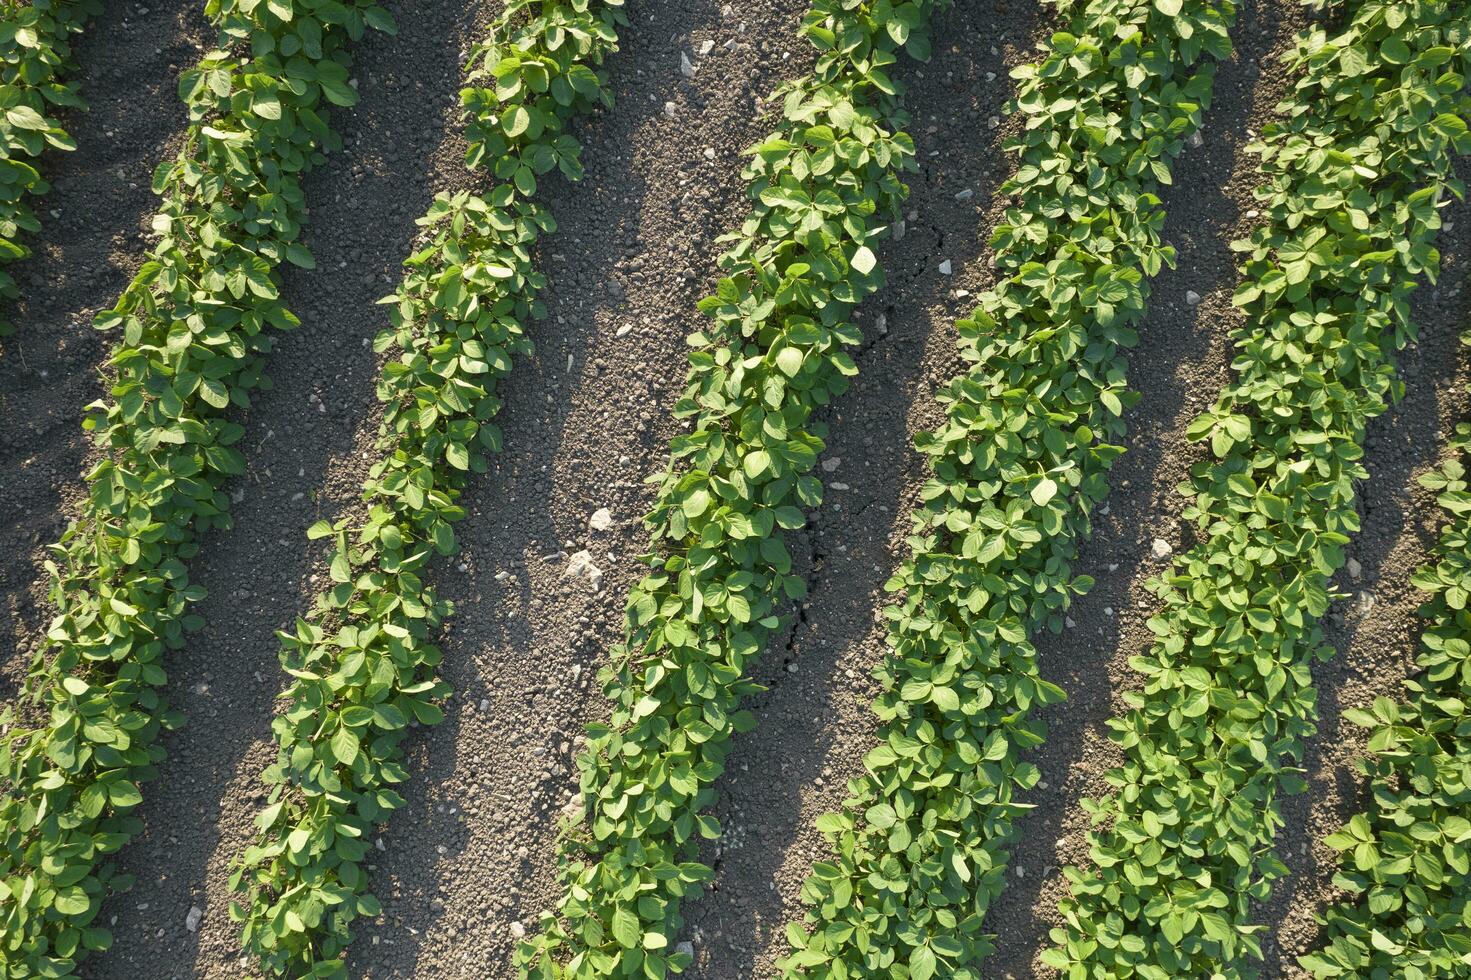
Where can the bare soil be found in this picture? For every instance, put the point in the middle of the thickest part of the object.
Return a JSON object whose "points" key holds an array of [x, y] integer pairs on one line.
{"points": [[468, 866]]}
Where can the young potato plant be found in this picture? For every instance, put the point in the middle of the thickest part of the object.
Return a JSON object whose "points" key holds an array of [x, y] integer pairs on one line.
{"points": [[1405, 861], [1356, 169], [364, 661], [920, 848], [35, 57], [85, 735], [823, 187]]}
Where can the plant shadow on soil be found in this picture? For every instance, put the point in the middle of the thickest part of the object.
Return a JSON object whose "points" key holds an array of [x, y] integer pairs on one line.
{"points": [[90, 242], [1375, 643], [1176, 368], [518, 522], [302, 450], [436, 755], [847, 551]]}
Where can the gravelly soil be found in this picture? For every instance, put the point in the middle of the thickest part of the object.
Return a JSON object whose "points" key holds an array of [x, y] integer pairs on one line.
{"points": [[470, 863]]}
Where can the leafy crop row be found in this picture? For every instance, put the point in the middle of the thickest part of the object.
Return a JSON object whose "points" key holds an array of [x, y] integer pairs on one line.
{"points": [[1406, 860], [920, 848], [823, 187], [1356, 169], [364, 662], [192, 324], [35, 55]]}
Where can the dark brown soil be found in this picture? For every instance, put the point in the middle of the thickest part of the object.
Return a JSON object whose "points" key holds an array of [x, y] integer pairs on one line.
{"points": [[467, 867]]}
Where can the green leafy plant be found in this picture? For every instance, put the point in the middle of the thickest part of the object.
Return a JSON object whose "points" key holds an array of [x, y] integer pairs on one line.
{"points": [[921, 846], [364, 662], [35, 57], [192, 324], [1406, 860], [1355, 170], [822, 187]]}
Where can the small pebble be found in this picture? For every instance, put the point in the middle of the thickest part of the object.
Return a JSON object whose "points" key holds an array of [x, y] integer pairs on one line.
{"points": [[1160, 547], [601, 519], [192, 920], [1192, 298], [686, 67], [945, 267]]}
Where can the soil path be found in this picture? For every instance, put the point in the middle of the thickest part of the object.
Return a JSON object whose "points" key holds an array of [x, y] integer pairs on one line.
{"points": [[587, 420]]}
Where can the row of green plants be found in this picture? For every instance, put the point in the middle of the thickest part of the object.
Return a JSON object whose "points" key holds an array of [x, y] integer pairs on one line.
{"points": [[1356, 168], [1405, 860], [35, 60], [1022, 458], [823, 186], [364, 662], [193, 334]]}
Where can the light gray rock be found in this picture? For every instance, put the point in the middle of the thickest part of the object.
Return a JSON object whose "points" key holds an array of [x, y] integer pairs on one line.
{"points": [[580, 566]]}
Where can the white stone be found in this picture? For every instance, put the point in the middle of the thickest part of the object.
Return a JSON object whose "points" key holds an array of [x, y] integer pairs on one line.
{"points": [[580, 565], [1160, 547], [601, 519]]}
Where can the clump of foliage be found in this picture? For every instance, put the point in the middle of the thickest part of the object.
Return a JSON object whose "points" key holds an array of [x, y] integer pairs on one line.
{"points": [[35, 57], [364, 663], [193, 322], [920, 848], [823, 187], [1406, 860], [1356, 169]]}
